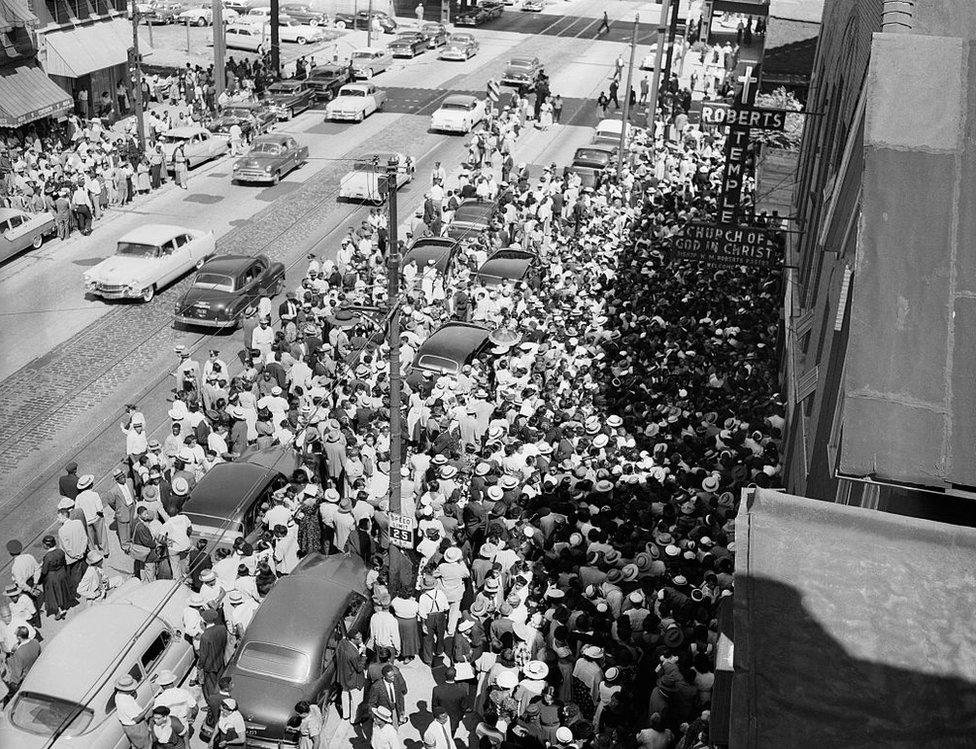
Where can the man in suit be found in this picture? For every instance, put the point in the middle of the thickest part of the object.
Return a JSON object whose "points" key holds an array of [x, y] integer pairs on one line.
{"points": [[122, 499], [387, 692], [351, 674], [289, 309], [19, 662], [452, 697], [210, 662]]}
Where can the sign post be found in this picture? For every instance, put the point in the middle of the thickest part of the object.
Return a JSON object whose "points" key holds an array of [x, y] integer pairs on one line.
{"points": [[494, 92], [401, 530]]}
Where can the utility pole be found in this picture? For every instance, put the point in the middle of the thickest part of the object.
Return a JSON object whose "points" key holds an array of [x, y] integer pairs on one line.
{"points": [[220, 77], [662, 28], [672, 34], [369, 25], [393, 294], [625, 126], [136, 70], [275, 39], [187, 24]]}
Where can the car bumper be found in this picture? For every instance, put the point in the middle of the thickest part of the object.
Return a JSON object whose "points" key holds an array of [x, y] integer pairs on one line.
{"points": [[204, 322], [447, 55], [110, 291], [450, 127], [358, 195], [248, 175], [403, 52], [345, 115]]}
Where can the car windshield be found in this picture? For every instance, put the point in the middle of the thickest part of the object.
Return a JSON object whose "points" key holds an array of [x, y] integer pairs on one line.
{"points": [[520, 64], [215, 281], [586, 154], [282, 88], [274, 661], [459, 39], [43, 715], [352, 92], [175, 138], [363, 55], [136, 249], [269, 149], [455, 105]]}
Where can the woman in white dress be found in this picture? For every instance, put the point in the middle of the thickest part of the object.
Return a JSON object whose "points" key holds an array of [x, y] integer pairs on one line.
{"points": [[545, 115]]}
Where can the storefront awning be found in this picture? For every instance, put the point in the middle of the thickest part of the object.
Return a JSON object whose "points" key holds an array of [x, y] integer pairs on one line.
{"points": [[75, 52], [853, 628], [27, 94]]}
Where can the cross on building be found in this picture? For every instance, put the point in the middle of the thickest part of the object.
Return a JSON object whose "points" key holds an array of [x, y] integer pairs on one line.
{"points": [[747, 80]]}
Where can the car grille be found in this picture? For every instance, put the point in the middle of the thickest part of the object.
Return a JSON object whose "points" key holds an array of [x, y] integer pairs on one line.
{"points": [[251, 174], [107, 288]]}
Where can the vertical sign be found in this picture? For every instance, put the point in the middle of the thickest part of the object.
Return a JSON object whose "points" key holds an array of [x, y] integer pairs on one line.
{"points": [[737, 152]]}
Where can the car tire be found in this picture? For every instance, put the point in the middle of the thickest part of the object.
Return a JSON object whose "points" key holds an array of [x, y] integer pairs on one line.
{"points": [[302, 40], [291, 113], [201, 21], [369, 73], [361, 116], [38, 241], [148, 294], [313, 22], [341, 25]]}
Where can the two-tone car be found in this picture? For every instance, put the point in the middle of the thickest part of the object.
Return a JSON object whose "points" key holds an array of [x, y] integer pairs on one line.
{"points": [[304, 13], [435, 33], [147, 259], [288, 98], [452, 346], [479, 15], [355, 102], [227, 289], [247, 37], [367, 180], [203, 16], [369, 62], [252, 118], [521, 72], [326, 80], [198, 143], [20, 230], [408, 44], [460, 46], [271, 157], [458, 114], [471, 218]]}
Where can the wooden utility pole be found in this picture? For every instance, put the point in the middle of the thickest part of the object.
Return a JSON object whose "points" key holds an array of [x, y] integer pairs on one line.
{"points": [[630, 73], [662, 28], [275, 39], [393, 299], [136, 71], [672, 35], [369, 25], [220, 77]]}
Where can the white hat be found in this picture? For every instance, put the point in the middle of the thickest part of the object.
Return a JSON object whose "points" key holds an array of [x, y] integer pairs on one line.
{"points": [[564, 735], [507, 680]]}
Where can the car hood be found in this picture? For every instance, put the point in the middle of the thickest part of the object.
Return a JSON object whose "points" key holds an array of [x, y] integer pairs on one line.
{"points": [[13, 737], [121, 268], [266, 701], [255, 162], [402, 42]]}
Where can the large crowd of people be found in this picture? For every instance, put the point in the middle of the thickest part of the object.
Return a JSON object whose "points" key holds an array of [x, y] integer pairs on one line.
{"points": [[573, 488]]}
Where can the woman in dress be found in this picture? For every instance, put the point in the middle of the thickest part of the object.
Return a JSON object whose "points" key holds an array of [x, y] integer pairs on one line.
{"points": [[143, 181], [181, 167], [545, 115], [405, 610], [58, 597]]}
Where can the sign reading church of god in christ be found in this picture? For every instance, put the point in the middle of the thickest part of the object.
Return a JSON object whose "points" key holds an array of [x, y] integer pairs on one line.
{"points": [[729, 246]]}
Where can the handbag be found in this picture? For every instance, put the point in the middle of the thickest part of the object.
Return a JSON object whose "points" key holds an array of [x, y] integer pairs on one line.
{"points": [[140, 553]]}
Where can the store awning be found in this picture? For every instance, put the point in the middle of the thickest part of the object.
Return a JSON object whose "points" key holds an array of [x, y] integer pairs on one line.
{"points": [[27, 94], [75, 52], [853, 628]]}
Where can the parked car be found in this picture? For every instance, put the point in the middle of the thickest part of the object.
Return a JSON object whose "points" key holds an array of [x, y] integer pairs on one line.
{"points": [[533, 6], [271, 157], [408, 44], [368, 62], [507, 264], [260, 16], [288, 98], [305, 14], [247, 37], [590, 161], [440, 250], [608, 132], [477, 16], [436, 34], [471, 217], [68, 695], [521, 72], [199, 145], [344, 20], [240, 7], [162, 14], [458, 114], [452, 346], [387, 24], [253, 118], [326, 80], [291, 30], [203, 16], [226, 289], [287, 653], [20, 230], [366, 180], [460, 46], [356, 102], [148, 258], [226, 503]]}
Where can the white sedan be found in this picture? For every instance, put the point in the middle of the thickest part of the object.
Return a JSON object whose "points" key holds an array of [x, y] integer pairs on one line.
{"points": [[458, 114], [199, 145], [291, 30], [366, 180], [148, 258], [356, 102], [203, 16]]}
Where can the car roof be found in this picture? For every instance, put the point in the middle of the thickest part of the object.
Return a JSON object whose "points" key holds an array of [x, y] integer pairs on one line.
{"points": [[381, 157], [6, 213], [454, 340], [474, 209], [224, 489], [508, 263], [465, 99], [609, 124], [430, 248], [327, 68], [153, 233], [522, 60], [227, 264]]}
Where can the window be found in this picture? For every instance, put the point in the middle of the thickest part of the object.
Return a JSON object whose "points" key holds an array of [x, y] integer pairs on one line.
{"points": [[4, 225], [167, 248], [16, 221], [182, 240], [328, 655], [353, 610], [155, 651]]}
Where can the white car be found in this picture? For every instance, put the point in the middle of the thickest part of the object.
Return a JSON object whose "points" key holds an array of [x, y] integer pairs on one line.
{"points": [[246, 37], [148, 258], [199, 145], [258, 16], [293, 31], [364, 181], [369, 62], [458, 114], [204, 16], [356, 102]]}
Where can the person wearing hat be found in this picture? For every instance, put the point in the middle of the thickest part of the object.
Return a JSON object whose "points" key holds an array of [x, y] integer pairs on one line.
{"points": [[230, 729], [384, 631], [121, 497], [68, 483], [385, 733], [587, 675], [452, 572], [609, 686], [90, 503], [130, 714], [181, 703], [94, 584], [432, 613], [24, 570], [531, 686]]}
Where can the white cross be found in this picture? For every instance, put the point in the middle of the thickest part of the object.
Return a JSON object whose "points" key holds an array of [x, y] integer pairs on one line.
{"points": [[747, 80]]}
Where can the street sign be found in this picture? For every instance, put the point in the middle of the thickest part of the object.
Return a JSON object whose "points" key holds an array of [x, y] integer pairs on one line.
{"points": [[728, 246], [720, 113], [401, 530], [493, 90]]}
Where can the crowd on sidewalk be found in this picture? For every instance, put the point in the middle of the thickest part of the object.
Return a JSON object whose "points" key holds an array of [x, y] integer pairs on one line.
{"points": [[573, 488]]}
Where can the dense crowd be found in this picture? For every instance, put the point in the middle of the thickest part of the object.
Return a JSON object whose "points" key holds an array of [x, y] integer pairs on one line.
{"points": [[573, 488]]}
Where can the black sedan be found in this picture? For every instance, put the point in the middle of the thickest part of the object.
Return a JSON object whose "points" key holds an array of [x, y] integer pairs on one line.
{"points": [[226, 288], [387, 24], [471, 218], [509, 264], [477, 16], [326, 80], [590, 161], [344, 20], [288, 98], [424, 251], [451, 346], [408, 44]]}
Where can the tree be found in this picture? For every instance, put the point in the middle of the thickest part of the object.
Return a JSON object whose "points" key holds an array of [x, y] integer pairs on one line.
{"points": [[791, 136]]}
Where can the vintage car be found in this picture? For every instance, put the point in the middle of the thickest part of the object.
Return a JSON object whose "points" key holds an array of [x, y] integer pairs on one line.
{"points": [[435, 33], [344, 20], [238, 6], [459, 46], [252, 117], [507, 264], [440, 250], [199, 145], [305, 14], [521, 72], [367, 179], [356, 102], [387, 24], [160, 14], [408, 44], [458, 114], [608, 132], [203, 16], [533, 6], [287, 654], [68, 696], [260, 16], [271, 157], [246, 37], [590, 161], [288, 98], [148, 258], [326, 80], [20, 230], [227, 288], [227, 502], [453, 345], [472, 217], [483, 13], [291, 30], [368, 62]]}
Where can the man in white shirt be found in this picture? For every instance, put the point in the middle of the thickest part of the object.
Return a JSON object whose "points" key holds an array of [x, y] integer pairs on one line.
{"points": [[182, 705], [176, 532], [130, 713], [89, 501]]}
